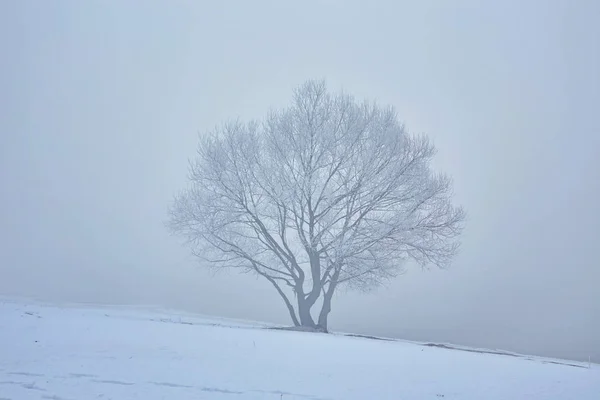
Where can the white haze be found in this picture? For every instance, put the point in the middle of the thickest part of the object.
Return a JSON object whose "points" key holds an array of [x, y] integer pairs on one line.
{"points": [[101, 103]]}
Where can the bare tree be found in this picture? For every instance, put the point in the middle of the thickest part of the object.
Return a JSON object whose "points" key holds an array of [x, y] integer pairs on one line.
{"points": [[325, 193]]}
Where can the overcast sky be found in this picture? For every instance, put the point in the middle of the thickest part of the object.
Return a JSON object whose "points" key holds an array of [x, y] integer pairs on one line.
{"points": [[101, 103]]}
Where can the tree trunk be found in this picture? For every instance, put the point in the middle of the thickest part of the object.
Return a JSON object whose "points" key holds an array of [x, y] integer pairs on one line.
{"points": [[304, 312], [327, 296], [315, 268], [325, 310]]}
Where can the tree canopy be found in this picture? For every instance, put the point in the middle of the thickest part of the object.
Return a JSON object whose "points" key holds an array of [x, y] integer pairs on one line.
{"points": [[325, 193]]}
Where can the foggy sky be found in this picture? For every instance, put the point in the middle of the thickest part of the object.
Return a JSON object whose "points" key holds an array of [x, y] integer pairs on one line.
{"points": [[101, 104]]}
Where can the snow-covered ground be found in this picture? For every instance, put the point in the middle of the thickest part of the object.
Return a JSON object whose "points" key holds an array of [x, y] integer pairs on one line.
{"points": [[119, 353]]}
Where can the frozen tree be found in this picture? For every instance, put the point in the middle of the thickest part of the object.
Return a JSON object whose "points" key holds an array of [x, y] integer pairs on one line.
{"points": [[326, 193]]}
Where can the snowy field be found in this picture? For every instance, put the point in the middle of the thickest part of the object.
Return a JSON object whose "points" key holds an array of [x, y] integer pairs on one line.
{"points": [[79, 353]]}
